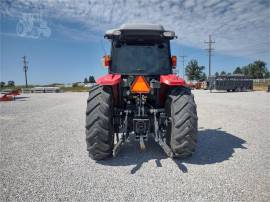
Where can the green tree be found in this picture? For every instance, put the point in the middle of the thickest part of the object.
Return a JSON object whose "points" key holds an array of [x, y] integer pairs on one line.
{"points": [[237, 70], [258, 69], [85, 80], [216, 74], [267, 75], [11, 83], [223, 73], [2, 84], [203, 77], [193, 70], [245, 70], [92, 79]]}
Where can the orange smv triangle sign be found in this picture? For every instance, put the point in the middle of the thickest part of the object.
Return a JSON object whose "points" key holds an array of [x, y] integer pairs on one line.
{"points": [[140, 85]]}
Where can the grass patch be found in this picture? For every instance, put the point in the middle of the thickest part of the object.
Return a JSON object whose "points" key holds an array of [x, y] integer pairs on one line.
{"points": [[75, 89], [64, 89]]}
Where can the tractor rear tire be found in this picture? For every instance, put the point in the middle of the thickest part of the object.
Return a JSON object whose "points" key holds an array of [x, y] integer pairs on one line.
{"points": [[183, 127], [99, 129]]}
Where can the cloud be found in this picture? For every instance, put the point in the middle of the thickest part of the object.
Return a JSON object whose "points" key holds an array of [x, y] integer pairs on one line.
{"points": [[239, 28], [76, 34]]}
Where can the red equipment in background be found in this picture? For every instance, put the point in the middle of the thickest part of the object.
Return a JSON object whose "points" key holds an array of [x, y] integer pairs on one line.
{"points": [[197, 85], [10, 95]]}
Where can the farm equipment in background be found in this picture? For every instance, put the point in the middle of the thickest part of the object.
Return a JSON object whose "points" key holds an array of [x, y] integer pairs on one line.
{"points": [[140, 96], [196, 85], [191, 85], [10, 95], [230, 83], [204, 85]]}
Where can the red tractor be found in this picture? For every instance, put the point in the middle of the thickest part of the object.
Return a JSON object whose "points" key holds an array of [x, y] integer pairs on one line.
{"points": [[140, 96]]}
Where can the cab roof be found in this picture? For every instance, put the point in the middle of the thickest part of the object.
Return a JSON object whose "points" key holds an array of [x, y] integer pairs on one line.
{"points": [[139, 29], [142, 27]]}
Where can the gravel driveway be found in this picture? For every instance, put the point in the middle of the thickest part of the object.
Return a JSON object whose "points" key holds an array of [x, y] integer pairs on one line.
{"points": [[43, 154]]}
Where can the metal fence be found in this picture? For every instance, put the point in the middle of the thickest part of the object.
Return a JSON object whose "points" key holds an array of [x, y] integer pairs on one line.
{"points": [[261, 81]]}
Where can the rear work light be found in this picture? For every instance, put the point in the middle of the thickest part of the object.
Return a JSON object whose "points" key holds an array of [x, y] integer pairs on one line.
{"points": [[140, 85], [117, 32], [169, 34]]}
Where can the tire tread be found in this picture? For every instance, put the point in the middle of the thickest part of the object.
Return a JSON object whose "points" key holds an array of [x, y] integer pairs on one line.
{"points": [[184, 125], [99, 133]]}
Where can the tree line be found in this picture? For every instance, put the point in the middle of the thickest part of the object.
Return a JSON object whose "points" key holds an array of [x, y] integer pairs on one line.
{"points": [[91, 79], [9, 84], [255, 70]]}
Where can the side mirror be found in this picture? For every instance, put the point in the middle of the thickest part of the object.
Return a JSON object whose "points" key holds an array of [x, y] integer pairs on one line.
{"points": [[106, 60], [174, 61]]}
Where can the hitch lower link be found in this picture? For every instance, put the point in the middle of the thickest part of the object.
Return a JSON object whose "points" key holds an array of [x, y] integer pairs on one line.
{"points": [[124, 136], [159, 135], [140, 130]]}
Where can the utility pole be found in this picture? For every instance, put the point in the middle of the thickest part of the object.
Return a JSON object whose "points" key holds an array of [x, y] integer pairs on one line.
{"points": [[210, 49], [25, 69], [183, 62]]}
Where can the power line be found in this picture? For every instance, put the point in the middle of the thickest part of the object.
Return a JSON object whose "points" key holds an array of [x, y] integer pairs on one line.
{"points": [[25, 69], [210, 49], [183, 62]]}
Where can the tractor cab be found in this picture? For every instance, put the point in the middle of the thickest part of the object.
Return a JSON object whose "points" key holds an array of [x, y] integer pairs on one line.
{"points": [[140, 50]]}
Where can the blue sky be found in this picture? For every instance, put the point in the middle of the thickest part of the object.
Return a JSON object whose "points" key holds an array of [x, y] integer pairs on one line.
{"points": [[63, 40]]}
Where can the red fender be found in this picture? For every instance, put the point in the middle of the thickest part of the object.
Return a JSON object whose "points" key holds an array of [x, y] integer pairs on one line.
{"points": [[172, 80], [109, 79]]}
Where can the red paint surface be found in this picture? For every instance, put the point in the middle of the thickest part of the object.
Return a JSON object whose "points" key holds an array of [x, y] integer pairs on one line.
{"points": [[109, 79], [172, 80], [10, 96]]}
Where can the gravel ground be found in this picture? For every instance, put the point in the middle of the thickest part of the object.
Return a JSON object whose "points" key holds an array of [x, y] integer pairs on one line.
{"points": [[43, 154]]}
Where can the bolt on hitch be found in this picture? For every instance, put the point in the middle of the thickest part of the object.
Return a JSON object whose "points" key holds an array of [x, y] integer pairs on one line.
{"points": [[142, 145]]}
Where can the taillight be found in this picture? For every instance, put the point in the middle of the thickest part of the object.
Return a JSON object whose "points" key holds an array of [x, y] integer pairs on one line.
{"points": [[106, 61], [174, 61], [140, 85]]}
